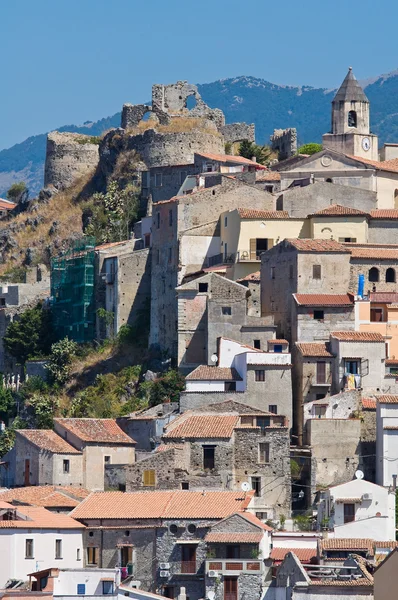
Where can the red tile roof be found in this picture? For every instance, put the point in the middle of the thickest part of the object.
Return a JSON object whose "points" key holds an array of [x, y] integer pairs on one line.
{"points": [[336, 210], [316, 349], [203, 426], [272, 342], [385, 165], [206, 373], [256, 521], [387, 399], [305, 555], [6, 204], [233, 538], [384, 213], [357, 336], [47, 439], [384, 297], [307, 245], [162, 505], [38, 517], [96, 430], [369, 403], [391, 361], [324, 299], [373, 251], [249, 213], [348, 544], [46, 495], [225, 158]]}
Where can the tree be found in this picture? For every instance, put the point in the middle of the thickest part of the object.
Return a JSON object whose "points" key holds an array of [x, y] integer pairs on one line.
{"points": [[60, 360], [29, 335], [262, 154], [44, 408], [18, 192], [7, 403], [311, 148]]}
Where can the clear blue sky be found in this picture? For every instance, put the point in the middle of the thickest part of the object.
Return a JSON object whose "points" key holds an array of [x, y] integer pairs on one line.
{"points": [[68, 61]]}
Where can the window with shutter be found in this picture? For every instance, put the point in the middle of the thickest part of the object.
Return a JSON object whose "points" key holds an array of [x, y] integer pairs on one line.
{"points": [[149, 477], [253, 244]]}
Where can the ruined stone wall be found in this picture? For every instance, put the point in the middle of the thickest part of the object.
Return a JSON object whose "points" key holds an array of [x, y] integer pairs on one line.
{"points": [[284, 141], [69, 156], [237, 132]]}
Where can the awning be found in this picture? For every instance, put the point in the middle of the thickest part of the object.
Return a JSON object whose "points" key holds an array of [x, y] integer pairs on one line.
{"points": [[124, 545]]}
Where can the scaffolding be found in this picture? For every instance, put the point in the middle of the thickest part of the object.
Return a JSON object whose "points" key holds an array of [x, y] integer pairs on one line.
{"points": [[72, 292]]}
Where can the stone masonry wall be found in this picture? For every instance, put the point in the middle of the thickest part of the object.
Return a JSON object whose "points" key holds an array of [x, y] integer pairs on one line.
{"points": [[237, 132], [362, 266], [69, 156], [284, 141]]}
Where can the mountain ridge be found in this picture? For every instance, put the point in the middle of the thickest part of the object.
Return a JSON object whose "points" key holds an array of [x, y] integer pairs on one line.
{"points": [[243, 98]]}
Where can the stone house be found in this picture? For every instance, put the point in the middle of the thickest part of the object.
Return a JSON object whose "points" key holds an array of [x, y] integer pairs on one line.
{"points": [[236, 549], [315, 316], [301, 266], [159, 535], [100, 441], [359, 509], [122, 285], [261, 378], [203, 450], [33, 535], [211, 307], [252, 283], [270, 181], [184, 239], [378, 262], [41, 457]]}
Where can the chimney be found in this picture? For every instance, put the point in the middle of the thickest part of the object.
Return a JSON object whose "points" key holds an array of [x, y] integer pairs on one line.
{"points": [[254, 159]]}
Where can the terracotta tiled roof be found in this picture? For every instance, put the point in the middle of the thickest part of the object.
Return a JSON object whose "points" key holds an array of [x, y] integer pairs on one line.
{"points": [[388, 544], [6, 205], [384, 213], [205, 373], [316, 349], [348, 544], [373, 252], [164, 447], [362, 581], [307, 245], [384, 297], [249, 213], [303, 554], [352, 500], [272, 342], [357, 336], [385, 165], [111, 245], [337, 210], [225, 158], [368, 403], [46, 495], [251, 277], [391, 361], [46, 439], [323, 299], [96, 430], [234, 538], [40, 518], [162, 505], [268, 176], [391, 427], [256, 521], [203, 426]]}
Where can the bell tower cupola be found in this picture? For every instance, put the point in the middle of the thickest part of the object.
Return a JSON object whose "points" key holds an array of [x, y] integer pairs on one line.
{"points": [[350, 132]]}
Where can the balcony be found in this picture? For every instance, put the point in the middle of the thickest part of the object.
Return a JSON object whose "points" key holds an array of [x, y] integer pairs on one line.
{"points": [[187, 567], [234, 566]]}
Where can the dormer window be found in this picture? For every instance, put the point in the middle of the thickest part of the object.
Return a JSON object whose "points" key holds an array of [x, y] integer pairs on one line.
{"points": [[352, 118]]}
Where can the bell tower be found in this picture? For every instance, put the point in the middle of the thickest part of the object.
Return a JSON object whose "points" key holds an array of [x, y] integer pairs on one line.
{"points": [[350, 132]]}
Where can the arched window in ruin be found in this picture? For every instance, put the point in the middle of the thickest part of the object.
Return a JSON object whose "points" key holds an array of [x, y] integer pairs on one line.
{"points": [[373, 274], [352, 118], [390, 275]]}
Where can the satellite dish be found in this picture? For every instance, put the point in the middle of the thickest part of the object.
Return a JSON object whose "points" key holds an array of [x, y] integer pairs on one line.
{"points": [[359, 474], [245, 486], [214, 358]]}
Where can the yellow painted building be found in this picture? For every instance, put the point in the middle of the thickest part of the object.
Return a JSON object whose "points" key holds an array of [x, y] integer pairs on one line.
{"points": [[341, 224]]}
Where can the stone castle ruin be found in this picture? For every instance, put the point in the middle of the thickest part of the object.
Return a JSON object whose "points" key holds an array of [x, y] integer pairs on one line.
{"points": [[284, 142], [165, 134]]}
